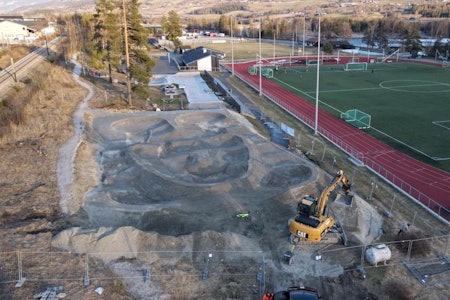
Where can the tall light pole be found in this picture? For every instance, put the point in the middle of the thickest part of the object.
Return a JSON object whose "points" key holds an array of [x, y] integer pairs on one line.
{"points": [[260, 60], [232, 45], [127, 55], [274, 46], [316, 119], [304, 29], [293, 47]]}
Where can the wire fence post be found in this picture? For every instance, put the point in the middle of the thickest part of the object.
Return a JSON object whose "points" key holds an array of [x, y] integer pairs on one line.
{"points": [[86, 280], [446, 246], [323, 154], [392, 205], [21, 279], [414, 218], [353, 176], [408, 256], [363, 250]]}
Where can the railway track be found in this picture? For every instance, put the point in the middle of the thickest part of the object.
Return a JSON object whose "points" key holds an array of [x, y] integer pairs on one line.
{"points": [[19, 69]]}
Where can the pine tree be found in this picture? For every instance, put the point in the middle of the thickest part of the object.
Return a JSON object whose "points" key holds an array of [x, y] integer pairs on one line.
{"points": [[141, 64], [107, 36], [172, 28]]}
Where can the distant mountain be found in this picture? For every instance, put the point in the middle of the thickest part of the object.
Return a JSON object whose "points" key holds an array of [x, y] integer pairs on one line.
{"points": [[24, 7]]}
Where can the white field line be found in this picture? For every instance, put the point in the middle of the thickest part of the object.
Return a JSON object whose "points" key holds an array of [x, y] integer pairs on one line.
{"points": [[438, 123], [307, 94]]}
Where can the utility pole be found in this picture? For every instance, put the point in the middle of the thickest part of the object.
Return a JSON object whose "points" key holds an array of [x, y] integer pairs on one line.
{"points": [[14, 70], [127, 55], [46, 44]]}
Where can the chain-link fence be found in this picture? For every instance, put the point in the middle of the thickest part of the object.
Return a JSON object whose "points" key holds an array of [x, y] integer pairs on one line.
{"points": [[184, 274], [426, 258]]}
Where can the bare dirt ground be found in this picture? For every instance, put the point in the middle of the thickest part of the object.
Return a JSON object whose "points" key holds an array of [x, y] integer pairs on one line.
{"points": [[158, 192], [186, 174]]}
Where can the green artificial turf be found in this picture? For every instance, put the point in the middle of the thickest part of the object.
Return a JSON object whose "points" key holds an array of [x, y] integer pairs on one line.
{"points": [[409, 103]]}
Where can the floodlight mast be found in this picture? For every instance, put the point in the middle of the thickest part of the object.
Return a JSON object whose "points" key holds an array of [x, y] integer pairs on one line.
{"points": [[260, 67], [303, 41], [316, 119], [232, 46]]}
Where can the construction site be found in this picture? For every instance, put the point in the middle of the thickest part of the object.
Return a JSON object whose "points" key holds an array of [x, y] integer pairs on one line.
{"points": [[206, 190], [199, 204], [198, 197]]}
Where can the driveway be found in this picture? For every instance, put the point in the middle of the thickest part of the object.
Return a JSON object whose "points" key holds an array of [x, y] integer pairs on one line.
{"points": [[196, 89]]}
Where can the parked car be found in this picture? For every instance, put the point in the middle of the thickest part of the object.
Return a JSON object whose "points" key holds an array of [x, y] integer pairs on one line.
{"points": [[297, 293]]}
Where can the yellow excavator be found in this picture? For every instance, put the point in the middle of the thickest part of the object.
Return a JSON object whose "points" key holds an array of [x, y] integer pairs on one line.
{"points": [[311, 223]]}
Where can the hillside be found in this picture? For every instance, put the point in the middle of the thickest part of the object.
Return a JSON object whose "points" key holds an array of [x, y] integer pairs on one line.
{"points": [[154, 9]]}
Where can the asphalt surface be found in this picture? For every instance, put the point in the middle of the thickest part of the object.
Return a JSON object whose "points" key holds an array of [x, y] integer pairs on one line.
{"points": [[201, 96]]}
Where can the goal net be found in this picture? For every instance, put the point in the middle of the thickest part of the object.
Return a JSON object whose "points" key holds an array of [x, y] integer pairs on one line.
{"points": [[360, 66], [312, 62], [267, 72], [357, 118]]}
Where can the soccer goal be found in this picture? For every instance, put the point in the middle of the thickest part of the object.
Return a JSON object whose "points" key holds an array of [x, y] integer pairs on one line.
{"points": [[253, 70], [360, 66], [267, 72], [357, 118], [310, 62]]}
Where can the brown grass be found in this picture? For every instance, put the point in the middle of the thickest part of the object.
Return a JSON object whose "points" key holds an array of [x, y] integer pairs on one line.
{"points": [[29, 198]]}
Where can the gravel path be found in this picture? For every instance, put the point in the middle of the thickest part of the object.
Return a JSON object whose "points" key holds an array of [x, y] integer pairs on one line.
{"points": [[65, 167]]}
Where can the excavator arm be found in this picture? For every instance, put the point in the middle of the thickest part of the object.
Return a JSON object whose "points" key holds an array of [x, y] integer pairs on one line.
{"points": [[346, 185]]}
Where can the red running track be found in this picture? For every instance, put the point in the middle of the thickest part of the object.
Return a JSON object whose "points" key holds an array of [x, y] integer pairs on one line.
{"points": [[429, 185]]}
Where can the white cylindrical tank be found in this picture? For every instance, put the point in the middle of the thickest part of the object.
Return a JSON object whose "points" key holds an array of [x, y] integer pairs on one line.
{"points": [[379, 253]]}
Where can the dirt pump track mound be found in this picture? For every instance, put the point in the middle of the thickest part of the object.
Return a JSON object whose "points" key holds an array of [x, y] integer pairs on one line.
{"points": [[176, 173]]}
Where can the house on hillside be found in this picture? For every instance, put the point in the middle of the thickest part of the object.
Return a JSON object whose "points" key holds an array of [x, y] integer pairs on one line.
{"points": [[13, 32], [200, 59], [23, 31]]}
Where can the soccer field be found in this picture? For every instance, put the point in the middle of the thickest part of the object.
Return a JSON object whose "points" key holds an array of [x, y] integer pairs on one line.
{"points": [[409, 103]]}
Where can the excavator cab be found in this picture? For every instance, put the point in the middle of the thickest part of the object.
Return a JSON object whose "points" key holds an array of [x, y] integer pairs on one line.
{"points": [[307, 206], [311, 222]]}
